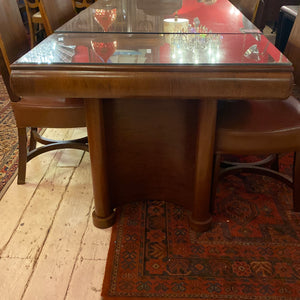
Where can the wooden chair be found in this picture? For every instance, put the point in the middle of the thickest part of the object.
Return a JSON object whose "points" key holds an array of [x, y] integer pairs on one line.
{"points": [[34, 112], [262, 127], [35, 21], [55, 13]]}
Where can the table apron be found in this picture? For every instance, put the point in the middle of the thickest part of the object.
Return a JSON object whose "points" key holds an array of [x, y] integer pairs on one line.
{"points": [[188, 85]]}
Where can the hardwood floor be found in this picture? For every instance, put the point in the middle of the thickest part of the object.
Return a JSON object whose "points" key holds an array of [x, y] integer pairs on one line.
{"points": [[49, 248]]}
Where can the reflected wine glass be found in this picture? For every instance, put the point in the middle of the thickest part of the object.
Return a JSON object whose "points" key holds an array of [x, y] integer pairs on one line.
{"points": [[104, 50], [105, 17], [252, 53]]}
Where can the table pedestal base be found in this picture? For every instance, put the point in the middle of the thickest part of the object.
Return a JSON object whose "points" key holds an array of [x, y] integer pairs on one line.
{"points": [[151, 149], [200, 226], [104, 222]]}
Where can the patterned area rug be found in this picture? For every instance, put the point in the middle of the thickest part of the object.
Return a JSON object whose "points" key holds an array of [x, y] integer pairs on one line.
{"points": [[8, 141], [251, 252]]}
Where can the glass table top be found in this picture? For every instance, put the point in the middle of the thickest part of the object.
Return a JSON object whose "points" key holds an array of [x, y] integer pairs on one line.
{"points": [[157, 16], [115, 48], [157, 32]]}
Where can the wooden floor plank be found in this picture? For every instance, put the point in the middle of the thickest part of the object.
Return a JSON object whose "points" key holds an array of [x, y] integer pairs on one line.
{"points": [[87, 280], [13, 277], [17, 197], [65, 260], [72, 157], [95, 242], [60, 251], [37, 219], [87, 277]]}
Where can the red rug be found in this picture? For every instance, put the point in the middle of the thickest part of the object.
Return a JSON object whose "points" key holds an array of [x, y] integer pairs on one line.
{"points": [[251, 252], [8, 141]]}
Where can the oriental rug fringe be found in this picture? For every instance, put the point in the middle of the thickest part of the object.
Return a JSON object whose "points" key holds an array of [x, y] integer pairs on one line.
{"points": [[251, 252]]}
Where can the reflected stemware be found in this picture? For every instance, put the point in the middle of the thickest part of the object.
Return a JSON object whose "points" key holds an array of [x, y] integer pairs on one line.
{"points": [[105, 17], [104, 50]]}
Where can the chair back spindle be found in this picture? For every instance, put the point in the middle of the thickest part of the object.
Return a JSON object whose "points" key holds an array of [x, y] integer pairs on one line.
{"points": [[35, 21]]}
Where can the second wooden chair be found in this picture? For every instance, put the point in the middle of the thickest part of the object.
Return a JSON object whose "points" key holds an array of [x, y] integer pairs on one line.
{"points": [[260, 127], [35, 21], [34, 112], [55, 13]]}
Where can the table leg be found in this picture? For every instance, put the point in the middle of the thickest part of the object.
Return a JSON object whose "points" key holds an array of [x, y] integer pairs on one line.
{"points": [[103, 215], [207, 112]]}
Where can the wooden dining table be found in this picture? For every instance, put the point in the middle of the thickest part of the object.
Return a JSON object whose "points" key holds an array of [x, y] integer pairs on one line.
{"points": [[150, 73]]}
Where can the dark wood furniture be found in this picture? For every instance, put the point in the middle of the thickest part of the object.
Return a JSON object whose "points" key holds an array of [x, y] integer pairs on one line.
{"points": [[263, 127], [33, 112], [286, 21], [151, 110], [268, 12]]}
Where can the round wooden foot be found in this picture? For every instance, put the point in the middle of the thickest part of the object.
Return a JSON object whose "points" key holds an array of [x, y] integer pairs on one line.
{"points": [[104, 222], [200, 226]]}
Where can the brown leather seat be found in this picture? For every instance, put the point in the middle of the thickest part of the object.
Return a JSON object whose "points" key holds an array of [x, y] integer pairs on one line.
{"points": [[66, 113], [34, 112], [259, 127], [262, 127]]}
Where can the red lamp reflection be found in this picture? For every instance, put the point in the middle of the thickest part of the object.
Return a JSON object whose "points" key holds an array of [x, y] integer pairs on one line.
{"points": [[104, 50], [105, 17]]}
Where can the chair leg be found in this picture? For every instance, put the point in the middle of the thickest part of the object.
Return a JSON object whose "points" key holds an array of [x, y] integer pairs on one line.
{"points": [[296, 182], [32, 142], [22, 136], [215, 180], [275, 163]]}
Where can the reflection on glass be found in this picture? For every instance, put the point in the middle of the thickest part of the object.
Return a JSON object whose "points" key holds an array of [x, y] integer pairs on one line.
{"points": [[104, 50], [252, 53], [105, 17], [188, 47], [208, 2], [159, 7], [195, 48], [176, 25]]}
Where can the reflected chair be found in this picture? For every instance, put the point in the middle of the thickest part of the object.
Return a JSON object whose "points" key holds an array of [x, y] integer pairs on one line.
{"points": [[261, 128], [79, 5], [55, 13], [34, 112], [35, 21]]}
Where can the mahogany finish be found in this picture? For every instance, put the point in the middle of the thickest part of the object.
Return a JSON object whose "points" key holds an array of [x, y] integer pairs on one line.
{"points": [[151, 122], [33, 112]]}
